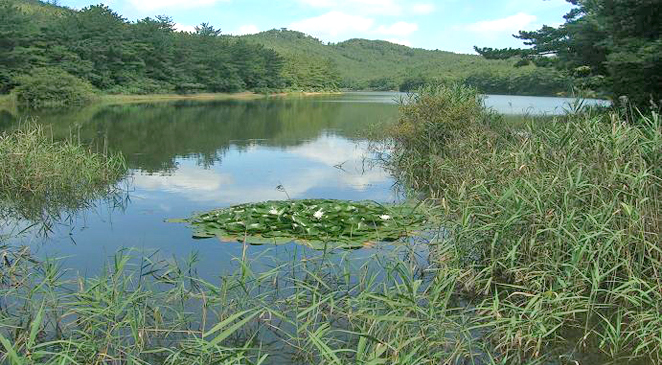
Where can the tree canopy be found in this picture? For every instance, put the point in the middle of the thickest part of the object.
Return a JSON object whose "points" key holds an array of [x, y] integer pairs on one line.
{"points": [[147, 56], [101, 47], [613, 45]]}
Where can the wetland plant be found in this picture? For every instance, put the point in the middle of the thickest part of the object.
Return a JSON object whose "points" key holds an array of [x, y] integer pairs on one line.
{"points": [[313, 222], [556, 224], [41, 178]]}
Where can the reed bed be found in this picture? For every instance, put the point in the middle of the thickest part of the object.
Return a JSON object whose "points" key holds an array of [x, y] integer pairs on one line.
{"points": [[556, 224], [40, 177]]}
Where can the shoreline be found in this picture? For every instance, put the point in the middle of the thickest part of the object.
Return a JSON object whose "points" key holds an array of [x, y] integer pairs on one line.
{"points": [[7, 101], [246, 95]]}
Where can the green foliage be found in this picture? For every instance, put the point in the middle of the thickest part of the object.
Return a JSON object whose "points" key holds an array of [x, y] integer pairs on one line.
{"points": [[309, 73], [610, 45], [541, 81], [429, 122], [101, 47], [379, 65], [52, 87], [40, 178], [98, 45], [556, 223], [316, 223]]}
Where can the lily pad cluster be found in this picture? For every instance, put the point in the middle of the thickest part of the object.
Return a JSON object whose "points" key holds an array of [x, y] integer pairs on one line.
{"points": [[317, 223]]}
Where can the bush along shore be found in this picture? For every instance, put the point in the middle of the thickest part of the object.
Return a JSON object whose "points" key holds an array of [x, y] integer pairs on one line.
{"points": [[543, 248]]}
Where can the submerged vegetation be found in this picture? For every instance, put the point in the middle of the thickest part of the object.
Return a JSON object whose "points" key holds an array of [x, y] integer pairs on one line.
{"points": [[40, 178], [317, 223]]}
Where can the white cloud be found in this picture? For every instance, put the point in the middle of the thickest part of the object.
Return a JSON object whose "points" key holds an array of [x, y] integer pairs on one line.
{"points": [[372, 7], [247, 29], [186, 178], [184, 28], [422, 9], [398, 29], [149, 5], [511, 24], [403, 42], [315, 168], [337, 26], [334, 26]]}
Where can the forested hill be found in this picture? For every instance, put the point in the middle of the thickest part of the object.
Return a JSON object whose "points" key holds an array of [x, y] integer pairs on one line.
{"points": [[47, 51], [381, 65]]}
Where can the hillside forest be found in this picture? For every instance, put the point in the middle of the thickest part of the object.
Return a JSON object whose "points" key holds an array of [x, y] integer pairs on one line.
{"points": [[53, 50]]}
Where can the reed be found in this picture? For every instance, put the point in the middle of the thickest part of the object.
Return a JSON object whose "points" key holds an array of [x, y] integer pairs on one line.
{"points": [[557, 224], [40, 177]]}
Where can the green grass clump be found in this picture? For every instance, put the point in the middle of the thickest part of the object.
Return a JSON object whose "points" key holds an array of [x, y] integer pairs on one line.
{"points": [[384, 309], [40, 177], [52, 87], [557, 225], [314, 222]]}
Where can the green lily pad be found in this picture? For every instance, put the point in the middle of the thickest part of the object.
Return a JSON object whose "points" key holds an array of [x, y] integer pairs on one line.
{"points": [[317, 223]]}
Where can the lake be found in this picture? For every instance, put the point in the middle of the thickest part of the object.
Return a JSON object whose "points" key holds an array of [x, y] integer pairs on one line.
{"points": [[190, 156]]}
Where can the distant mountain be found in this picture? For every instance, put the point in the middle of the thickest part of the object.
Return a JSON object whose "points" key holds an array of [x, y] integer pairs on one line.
{"points": [[375, 64], [309, 64]]}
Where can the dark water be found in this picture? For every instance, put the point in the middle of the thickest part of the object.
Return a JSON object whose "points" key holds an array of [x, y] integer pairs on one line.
{"points": [[188, 157]]}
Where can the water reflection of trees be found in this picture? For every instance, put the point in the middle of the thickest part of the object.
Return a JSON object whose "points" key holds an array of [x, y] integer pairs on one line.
{"points": [[31, 216], [152, 136]]}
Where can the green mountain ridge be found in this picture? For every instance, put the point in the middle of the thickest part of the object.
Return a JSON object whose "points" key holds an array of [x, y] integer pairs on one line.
{"points": [[378, 64], [139, 64]]}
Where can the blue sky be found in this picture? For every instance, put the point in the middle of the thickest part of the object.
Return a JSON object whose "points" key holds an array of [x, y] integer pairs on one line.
{"points": [[450, 25]]}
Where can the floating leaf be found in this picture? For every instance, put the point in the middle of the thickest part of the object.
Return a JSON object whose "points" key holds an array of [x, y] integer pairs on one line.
{"points": [[317, 223]]}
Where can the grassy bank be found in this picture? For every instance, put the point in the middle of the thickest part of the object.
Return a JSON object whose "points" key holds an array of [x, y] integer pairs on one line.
{"points": [[556, 225], [151, 98], [8, 102], [41, 178]]}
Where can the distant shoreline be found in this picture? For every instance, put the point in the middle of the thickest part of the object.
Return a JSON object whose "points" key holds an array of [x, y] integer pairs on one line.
{"points": [[119, 99], [247, 95]]}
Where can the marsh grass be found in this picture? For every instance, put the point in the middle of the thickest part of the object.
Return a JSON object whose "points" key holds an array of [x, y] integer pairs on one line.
{"points": [[556, 224], [142, 310], [41, 178]]}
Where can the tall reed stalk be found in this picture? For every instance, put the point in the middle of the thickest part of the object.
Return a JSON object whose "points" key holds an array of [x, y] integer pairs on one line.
{"points": [[556, 224]]}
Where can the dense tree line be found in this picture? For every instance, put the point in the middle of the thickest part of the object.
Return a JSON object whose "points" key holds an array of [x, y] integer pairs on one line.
{"points": [[114, 55], [362, 64], [613, 45]]}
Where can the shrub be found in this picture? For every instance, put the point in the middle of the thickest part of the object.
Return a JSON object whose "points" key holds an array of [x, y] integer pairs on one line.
{"points": [[46, 87], [431, 121]]}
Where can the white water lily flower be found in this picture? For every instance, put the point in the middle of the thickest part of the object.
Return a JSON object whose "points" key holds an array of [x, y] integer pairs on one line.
{"points": [[319, 214], [273, 211], [385, 217]]}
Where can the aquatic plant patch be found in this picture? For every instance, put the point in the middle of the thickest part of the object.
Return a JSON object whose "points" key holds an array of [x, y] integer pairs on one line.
{"points": [[314, 222]]}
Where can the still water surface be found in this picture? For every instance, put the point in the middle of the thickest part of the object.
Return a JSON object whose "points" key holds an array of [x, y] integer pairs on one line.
{"points": [[188, 157]]}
